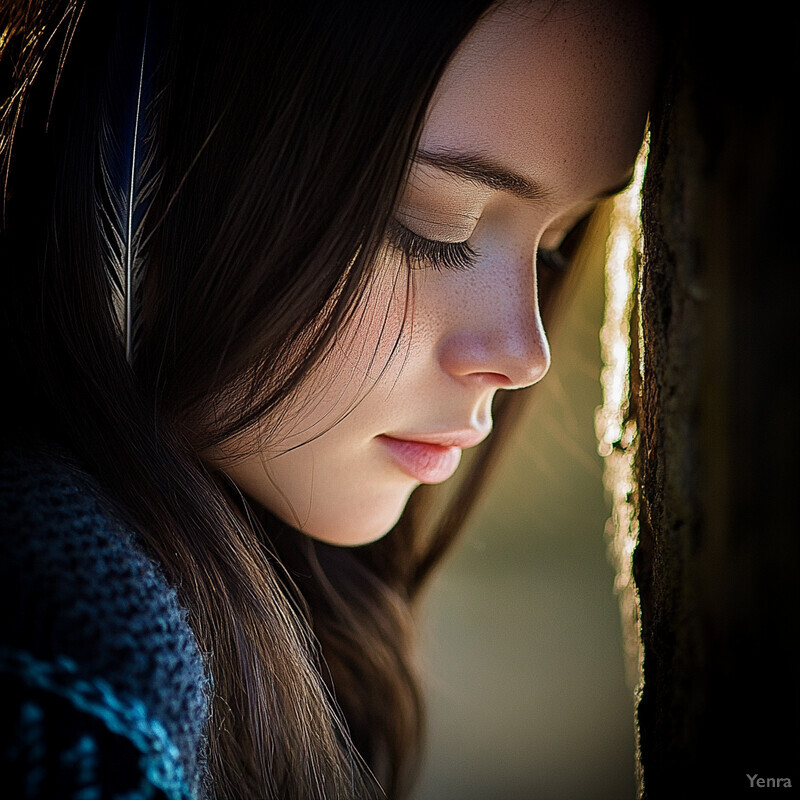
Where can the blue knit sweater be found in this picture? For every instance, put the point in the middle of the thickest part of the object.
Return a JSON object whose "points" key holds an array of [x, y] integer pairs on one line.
{"points": [[103, 689]]}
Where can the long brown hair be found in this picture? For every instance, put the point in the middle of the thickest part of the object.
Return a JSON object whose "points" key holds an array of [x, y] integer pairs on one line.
{"points": [[282, 137]]}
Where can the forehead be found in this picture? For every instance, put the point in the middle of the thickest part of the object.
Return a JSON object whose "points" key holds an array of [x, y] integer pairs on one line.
{"points": [[558, 91]]}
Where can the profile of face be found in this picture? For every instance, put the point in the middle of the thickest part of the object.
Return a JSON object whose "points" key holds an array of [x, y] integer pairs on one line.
{"points": [[539, 114]]}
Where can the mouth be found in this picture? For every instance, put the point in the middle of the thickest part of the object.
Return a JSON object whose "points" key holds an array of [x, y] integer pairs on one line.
{"points": [[429, 459]]}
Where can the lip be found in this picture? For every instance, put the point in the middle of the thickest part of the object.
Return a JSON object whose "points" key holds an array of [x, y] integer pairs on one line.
{"points": [[430, 458]]}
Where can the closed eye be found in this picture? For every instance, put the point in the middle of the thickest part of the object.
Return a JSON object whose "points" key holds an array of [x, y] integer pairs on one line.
{"points": [[552, 260], [422, 252], [558, 259]]}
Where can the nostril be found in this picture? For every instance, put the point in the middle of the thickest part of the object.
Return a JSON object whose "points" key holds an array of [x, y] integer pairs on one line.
{"points": [[495, 379]]}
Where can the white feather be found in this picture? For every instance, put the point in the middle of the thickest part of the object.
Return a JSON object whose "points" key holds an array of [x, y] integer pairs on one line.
{"points": [[129, 180]]}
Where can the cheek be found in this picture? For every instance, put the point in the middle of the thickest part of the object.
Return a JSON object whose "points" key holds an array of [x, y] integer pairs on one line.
{"points": [[369, 349], [369, 343], [316, 464]]}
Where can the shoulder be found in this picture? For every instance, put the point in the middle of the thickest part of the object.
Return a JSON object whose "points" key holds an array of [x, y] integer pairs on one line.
{"points": [[94, 638]]}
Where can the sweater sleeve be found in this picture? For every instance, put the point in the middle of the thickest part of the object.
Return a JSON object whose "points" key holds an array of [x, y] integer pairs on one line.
{"points": [[72, 738], [102, 685]]}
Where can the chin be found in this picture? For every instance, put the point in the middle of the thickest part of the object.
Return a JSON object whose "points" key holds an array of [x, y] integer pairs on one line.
{"points": [[355, 526]]}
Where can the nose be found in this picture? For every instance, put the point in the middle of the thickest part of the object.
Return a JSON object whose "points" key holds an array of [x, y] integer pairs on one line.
{"points": [[498, 337]]}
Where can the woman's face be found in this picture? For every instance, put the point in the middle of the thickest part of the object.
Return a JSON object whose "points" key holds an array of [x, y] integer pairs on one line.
{"points": [[540, 114]]}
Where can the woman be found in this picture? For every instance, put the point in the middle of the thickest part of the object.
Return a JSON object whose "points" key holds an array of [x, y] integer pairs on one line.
{"points": [[266, 272]]}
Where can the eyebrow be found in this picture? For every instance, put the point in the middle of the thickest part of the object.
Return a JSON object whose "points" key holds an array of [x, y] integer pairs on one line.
{"points": [[487, 172], [484, 171]]}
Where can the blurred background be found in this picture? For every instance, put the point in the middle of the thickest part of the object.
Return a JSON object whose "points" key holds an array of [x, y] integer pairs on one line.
{"points": [[521, 642]]}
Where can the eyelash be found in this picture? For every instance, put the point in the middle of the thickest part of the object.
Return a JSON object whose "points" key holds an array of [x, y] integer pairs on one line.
{"points": [[559, 259], [424, 252], [460, 256], [553, 260]]}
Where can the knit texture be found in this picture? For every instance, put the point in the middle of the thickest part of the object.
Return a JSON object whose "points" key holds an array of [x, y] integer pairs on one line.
{"points": [[103, 690]]}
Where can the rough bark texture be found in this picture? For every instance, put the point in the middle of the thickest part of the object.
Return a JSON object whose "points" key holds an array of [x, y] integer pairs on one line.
{"points": [[717, 559]]}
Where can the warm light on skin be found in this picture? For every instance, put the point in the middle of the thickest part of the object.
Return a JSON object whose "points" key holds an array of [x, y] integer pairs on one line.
{"points": [[557, 99]]}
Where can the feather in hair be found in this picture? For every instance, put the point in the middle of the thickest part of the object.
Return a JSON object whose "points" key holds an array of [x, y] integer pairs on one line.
{"points": [[130, 179]]}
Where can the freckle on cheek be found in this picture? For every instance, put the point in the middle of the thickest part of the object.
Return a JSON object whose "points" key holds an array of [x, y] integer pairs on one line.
{"points": [[376, 331]]}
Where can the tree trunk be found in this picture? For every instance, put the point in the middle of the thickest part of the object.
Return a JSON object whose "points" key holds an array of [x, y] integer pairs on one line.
{"points": [[716, 562]]}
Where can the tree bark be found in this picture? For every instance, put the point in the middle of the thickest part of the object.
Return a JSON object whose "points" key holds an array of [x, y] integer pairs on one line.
{"points": [[716, 562]]}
